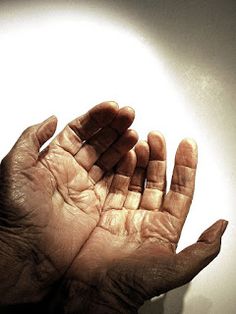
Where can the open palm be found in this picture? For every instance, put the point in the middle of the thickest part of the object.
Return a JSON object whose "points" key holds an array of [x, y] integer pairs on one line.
{"points": [[53, 199], [131, 254]]}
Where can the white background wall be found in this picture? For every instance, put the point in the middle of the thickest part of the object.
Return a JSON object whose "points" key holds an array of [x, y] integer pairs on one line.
{"points": [[174, 62]]}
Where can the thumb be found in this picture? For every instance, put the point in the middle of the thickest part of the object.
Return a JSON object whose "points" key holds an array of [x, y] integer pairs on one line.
{"points": [[45, 130], [197, 256], [26, 149]]}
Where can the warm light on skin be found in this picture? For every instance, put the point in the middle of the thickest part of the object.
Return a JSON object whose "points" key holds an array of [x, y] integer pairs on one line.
{"points": [[63, 64]]}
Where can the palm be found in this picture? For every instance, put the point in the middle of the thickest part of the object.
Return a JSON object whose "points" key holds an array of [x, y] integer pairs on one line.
{"points": [[138, 224], [67, 206], [59, 194]]}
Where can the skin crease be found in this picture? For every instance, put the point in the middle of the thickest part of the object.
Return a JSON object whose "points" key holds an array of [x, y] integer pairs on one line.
{"points": [[131, 230], [131, 254], [51, 201]]}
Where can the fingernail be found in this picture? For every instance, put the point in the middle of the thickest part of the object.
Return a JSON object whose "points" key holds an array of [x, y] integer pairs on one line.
{"points": [[224, 226], [220, 230], [113, 103], [130, 109]]}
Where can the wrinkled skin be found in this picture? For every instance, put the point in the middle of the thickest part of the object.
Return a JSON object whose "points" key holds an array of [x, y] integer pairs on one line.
{"points": [[131, 254], [51, 201]]}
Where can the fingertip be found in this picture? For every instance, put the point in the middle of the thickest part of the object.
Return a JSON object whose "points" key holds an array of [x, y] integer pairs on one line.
{"points": [[104, 112], [129, 112], [189, 143], [123, 119], [46, 129], [110, 103], [52, 118], [111, 106], [129, 139], [133, 134], [52, 123], [156, 133], [141, 145], [214, 232], [187, 153], [224, 225], [142, 153], [157, 145], [127, 164]]}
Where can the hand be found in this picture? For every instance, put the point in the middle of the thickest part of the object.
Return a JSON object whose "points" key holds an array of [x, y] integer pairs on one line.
{"points": [[131, 254], [50, 201]]}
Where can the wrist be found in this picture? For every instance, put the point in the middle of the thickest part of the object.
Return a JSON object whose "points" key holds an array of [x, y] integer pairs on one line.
{"points": [[17, 283], [10, 268], [77, 297]]}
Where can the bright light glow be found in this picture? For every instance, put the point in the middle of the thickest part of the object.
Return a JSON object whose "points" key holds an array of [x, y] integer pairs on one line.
{"points": [[68, 60], [64, 63]]}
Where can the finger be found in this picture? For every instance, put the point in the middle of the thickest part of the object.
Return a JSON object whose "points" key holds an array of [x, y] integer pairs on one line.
{"points": [[194, 258], [113, 155], [101, 141], [85, 126], [138, 179], [25, 152], [120, 183], [156, 173], [178, 200]]}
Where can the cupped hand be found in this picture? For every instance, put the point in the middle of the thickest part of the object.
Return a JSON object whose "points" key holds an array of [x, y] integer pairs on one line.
{"points": [[51, 200], [131, 254]]}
